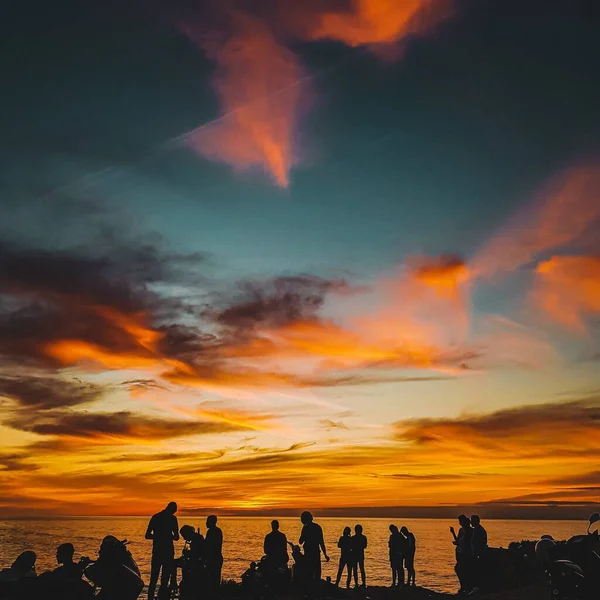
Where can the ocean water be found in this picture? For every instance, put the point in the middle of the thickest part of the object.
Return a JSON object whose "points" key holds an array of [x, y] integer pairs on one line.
{"points": [[243, 539]]}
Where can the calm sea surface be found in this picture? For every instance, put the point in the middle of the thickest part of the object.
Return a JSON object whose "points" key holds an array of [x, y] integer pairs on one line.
{"points": [[244, 537]]}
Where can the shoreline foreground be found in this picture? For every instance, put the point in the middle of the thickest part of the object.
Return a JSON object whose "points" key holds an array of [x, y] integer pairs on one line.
{"points": [[232, 590]]}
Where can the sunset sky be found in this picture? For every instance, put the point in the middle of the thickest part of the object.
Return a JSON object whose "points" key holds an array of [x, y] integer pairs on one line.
{"points": [[320, 254]]}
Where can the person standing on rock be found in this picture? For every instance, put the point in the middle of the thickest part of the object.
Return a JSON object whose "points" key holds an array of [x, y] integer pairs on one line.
{"points": [[346, 558], [464, 554], [213, 555], [359, 544], [275, 547], [163, 530], [479, 544], [312, 540], [396, 545], [409, 555]]}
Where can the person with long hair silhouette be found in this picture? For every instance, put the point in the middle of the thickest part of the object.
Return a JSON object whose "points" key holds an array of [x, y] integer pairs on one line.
{"points": [[312, 540], [163, 530], [409, 555], [346, 562]]}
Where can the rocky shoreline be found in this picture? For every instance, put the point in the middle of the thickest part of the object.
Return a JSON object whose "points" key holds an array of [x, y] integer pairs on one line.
{"points": [[537, 591]]}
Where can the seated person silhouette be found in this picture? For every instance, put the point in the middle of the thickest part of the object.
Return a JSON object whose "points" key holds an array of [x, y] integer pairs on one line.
{"points": [[68, 569], [23, 567]]}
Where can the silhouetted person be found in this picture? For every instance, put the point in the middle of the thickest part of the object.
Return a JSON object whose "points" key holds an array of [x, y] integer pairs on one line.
{"points": [[213, 554], [346, 559], [409, 556], [193, 573], [194, 543], [275, 547], [250, 579], [312, 540], [479, 544], [68, 569], [22, 568], [464, 554], [359, 544], [163, 529], [396, 546]]}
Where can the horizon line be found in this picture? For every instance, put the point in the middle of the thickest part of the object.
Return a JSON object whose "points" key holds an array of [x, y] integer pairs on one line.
{"points": [[548, 511]]}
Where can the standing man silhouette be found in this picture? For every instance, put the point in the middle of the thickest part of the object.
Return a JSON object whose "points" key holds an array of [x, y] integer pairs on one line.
{"points": [[312, 540], [359, 543], [479, 545], [275, 547], [213, 553], [163, 530]]}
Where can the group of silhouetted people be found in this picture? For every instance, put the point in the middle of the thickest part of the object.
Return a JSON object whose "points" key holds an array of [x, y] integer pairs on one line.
{"points": [[471, 545], [202, 557], [66, 581], [201, 561]]}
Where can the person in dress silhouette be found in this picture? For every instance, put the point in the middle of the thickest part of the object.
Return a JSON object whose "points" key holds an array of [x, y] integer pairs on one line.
{"points": [[409, 555], [312, 540], [346, 561], [163, 530], [213, 553], [359, 544]]}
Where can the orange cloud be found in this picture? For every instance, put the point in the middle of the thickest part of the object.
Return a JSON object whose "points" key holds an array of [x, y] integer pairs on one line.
{"points": [[567, 288], [565, 214], [369, 22], [545, 433], [259, 83], [548, 451], [70, 352]]}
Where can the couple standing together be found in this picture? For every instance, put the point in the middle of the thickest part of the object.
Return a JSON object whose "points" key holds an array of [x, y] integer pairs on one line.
{"points": [[402, 545], [352, 555]]}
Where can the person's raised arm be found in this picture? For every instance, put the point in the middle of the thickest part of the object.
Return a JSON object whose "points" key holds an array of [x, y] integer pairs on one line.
{"points": [[453, 534]]}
